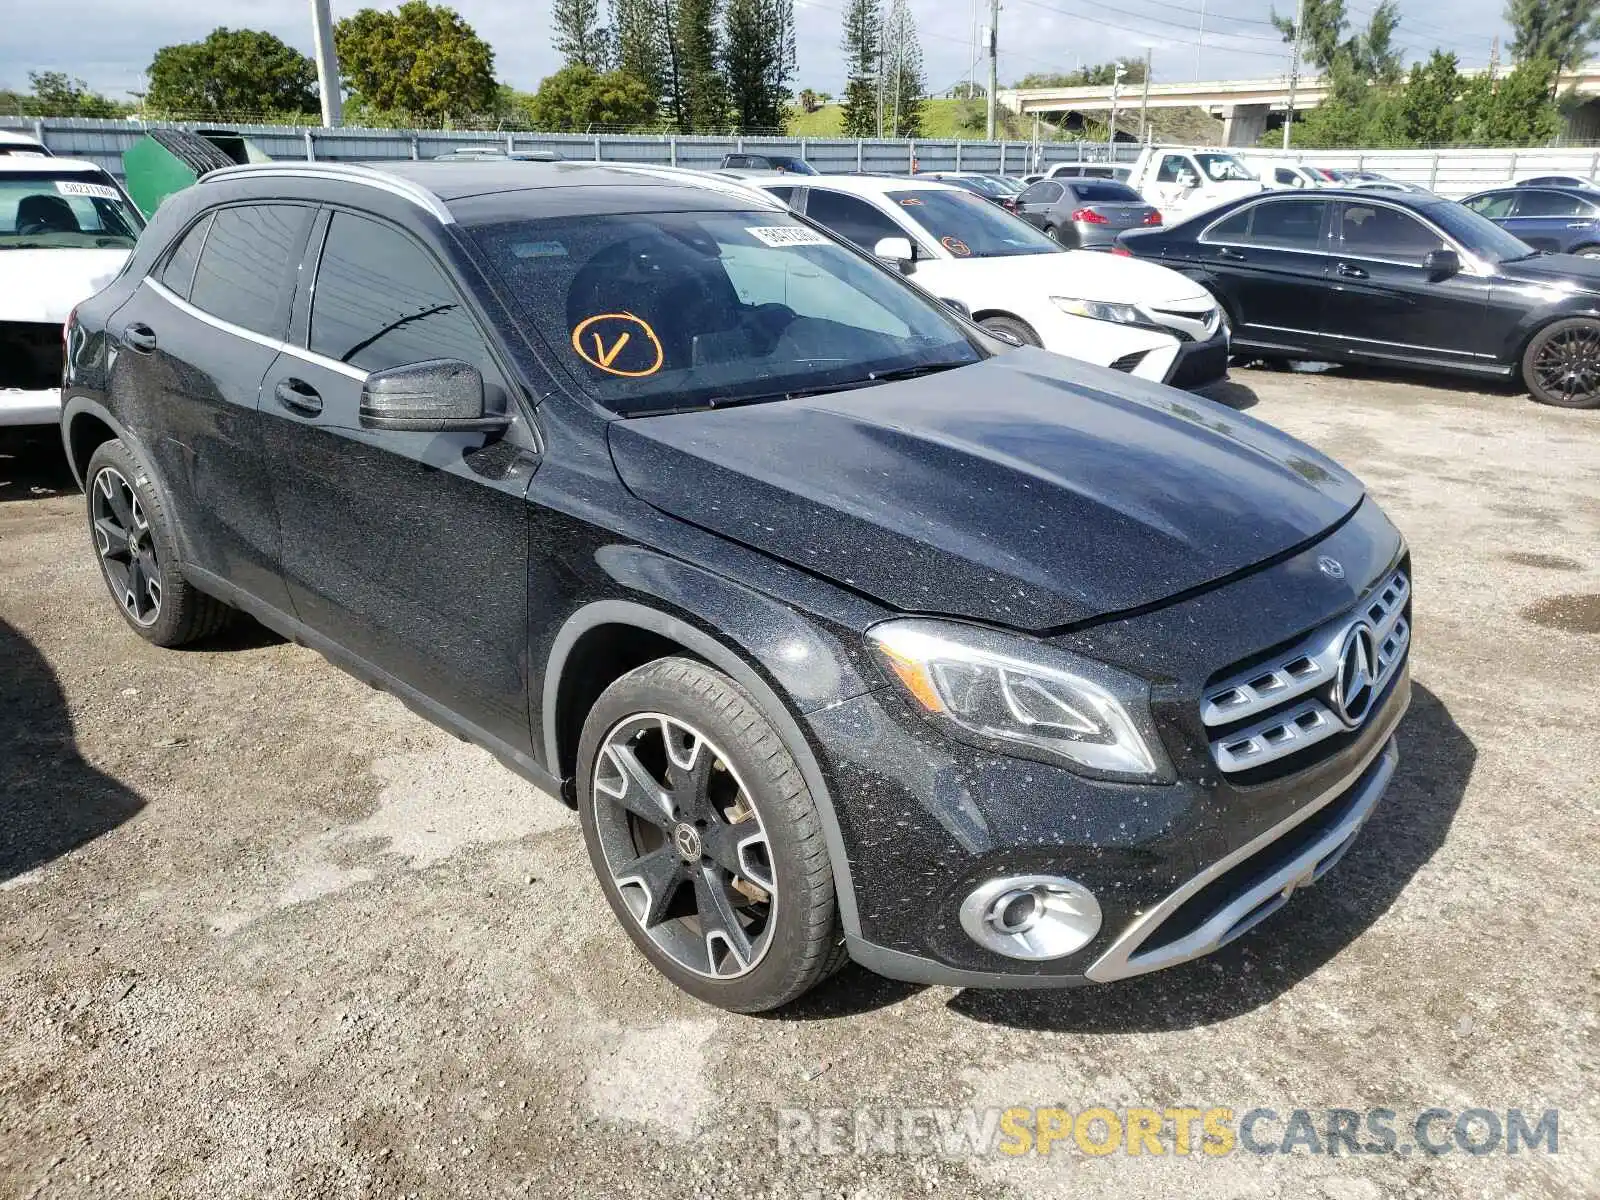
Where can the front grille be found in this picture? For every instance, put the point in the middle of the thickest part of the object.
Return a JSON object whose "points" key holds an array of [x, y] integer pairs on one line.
{"points": [[1309, 693], [30, 355], [1129, 362], [1198, 324]]}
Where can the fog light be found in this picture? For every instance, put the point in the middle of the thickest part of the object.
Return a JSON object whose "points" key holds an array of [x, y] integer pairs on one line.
{"points": [[1032, 917]]}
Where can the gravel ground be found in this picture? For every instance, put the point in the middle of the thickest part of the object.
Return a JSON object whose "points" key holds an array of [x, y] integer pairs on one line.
{"points": [[265, 934]]}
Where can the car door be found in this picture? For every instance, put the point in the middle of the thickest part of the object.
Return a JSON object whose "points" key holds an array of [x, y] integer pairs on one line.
{"points": [[1175, 179], [1268, 263], [196, 340], [1037, 201], [1383, 301], [409, 550], [1555, 222]]}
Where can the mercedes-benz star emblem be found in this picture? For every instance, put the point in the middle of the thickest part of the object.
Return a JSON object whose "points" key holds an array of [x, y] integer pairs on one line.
{"points": [[1356, 687], [687, 840], [1331, 567]]}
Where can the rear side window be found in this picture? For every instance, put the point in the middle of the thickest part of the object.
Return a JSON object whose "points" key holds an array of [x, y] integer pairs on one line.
{"points": [[245, 264], [178, 274], [381, 302], [786, 194], [1041, 193], [1552, 204], [1290, 224]]}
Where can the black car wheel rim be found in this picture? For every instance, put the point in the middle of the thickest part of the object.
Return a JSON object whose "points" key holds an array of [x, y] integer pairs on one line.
{"points": [[684, 845], [1568, 364], [127, 549]]}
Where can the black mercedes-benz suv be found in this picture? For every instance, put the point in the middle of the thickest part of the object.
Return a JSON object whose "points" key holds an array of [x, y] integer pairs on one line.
{"points": [[848, 630]]}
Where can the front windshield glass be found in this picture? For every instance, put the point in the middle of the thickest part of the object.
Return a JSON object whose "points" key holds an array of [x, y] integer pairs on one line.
{"points": [[968, 226], [1224, 168], [1011, 187], [72, 210], [1478, 235], [981, 184], [658, 312]]}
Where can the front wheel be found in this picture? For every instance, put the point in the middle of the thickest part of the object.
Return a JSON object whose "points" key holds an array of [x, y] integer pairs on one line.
{"points": [[1561, 365], [705, 838], [1013, 330]]}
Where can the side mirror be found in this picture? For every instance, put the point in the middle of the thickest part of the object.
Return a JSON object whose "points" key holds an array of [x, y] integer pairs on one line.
{"points": [[1440, 264], [440, 395], [957, 305], [897, 250]]}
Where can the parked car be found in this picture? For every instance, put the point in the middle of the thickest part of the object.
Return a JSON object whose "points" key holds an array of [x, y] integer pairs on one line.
{"points": [[22, 145], [1369, 182], [496, 154], [1278, 174], [1018, 283], [787, 163], [1182, 181], [1085, 214], [849, 631], [1556, 220], [65, 230], [1556, 181], [1087, 171], [993, 188], [1409, 281]]}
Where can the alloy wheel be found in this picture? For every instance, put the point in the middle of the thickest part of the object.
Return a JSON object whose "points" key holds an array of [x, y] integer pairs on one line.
{"points": [[127, 548], [684, 845], [1568, 364]]}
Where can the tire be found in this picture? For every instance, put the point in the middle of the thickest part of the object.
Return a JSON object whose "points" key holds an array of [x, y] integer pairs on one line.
{"points": [[653, 873], [1561, 365], [1586, 251], [1012, 328], [1054, 234], [142, 572]]}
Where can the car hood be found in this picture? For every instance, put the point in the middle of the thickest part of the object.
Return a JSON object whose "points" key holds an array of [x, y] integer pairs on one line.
{"points": [[1568, 272], [45, 285], [1079, 274], [1026, 490]]}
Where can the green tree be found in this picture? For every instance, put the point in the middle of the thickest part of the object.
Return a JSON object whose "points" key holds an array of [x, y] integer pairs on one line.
{"points": [[232, 71], [422, 60], [1559, 30], [904, 85], [1523, 112], [758, 58], [57, 95], [638, 28], [578, 98], [862, 42], [1096, 75], [1430, 106], [700, 96], [1321, 31], [578, 36]]}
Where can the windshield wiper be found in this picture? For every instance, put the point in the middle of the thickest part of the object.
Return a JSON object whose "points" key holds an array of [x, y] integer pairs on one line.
{"points": [[914, 372]]}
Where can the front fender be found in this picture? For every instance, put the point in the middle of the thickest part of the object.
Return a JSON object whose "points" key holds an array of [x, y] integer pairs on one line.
{"points": [[1535, 319]]}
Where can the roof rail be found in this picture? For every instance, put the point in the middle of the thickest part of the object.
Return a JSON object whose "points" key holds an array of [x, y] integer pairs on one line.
{"points": [[345, 172]]}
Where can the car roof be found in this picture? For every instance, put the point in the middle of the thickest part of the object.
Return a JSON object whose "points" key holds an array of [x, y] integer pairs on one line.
{"points": [[875, 185], [1567, 189], [34, 164]]}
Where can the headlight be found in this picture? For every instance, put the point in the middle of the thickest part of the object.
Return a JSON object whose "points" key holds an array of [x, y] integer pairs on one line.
{"points": [[1097, 310], [1022, 698]]}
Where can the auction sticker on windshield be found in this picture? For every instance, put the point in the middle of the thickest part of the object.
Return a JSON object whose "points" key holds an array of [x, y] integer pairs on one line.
{"points": [[78, 187], [779, 236]]}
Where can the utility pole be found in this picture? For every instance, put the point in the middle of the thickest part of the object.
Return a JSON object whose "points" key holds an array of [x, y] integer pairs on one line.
{"points": [[1118, 71], [899, 59], [1199, 41], [1494, 58], [1144, 103], [327, 64], [1294, 68], [880, 79], [994, 61]]}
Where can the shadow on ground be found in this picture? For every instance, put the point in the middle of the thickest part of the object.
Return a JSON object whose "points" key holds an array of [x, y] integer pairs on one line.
{"points": [[33, 465], [1235, 394], [1407, 828], [51, 801]]}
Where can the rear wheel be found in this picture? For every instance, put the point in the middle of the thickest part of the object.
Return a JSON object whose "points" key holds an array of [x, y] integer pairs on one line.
{"points": [[133, 535], [1011, 329], [1561, 365], [1051, 232], [1587, 252], [705, 838]]}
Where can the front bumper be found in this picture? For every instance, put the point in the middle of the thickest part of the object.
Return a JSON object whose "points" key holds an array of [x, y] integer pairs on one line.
{"points": [[21, 407], [1199, 364]]}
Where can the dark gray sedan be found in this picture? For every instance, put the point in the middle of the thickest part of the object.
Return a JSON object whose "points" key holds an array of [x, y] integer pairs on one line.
{"points": [[1085, 214]]}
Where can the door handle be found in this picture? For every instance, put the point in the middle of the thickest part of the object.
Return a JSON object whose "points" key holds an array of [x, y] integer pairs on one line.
{"points": [[1230, 255], [298, 396], [1579, 224], [1350, 272], [140, 337]]}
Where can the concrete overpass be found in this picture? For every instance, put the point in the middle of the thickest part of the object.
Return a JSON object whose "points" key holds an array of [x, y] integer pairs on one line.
{"points": [[1245, 105]]}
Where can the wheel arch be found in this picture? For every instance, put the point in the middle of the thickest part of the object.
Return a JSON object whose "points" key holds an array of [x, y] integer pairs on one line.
{"points": [[85, 426], [622, 629]]}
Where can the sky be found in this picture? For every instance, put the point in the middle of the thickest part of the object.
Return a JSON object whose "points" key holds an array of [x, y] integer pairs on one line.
{"points": [[109, 43]]}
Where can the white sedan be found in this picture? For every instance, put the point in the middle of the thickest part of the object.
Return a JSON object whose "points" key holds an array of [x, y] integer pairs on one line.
{"points": [[1112, 311]]}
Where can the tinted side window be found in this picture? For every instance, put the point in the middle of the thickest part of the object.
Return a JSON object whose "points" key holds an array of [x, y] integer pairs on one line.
{"points": [[1551, 204], [1287, 177], [178, 274], [1387, 233], [1496, 205], [852, 219], [1041, 193], [786, 194], [1234, 229], [1289, 224], [1173, 166], [245, 263], [381, 302]]}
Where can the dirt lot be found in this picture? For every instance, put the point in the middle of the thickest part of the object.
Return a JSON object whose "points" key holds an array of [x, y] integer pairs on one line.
{"points": [[265, 934]]}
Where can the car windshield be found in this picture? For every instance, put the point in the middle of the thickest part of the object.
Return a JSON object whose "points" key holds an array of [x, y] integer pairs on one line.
{"points": [[47, 209], [1224, 168], [1007, 185], [978, 183], [1479, 235], [970, 227], [663, 312]]}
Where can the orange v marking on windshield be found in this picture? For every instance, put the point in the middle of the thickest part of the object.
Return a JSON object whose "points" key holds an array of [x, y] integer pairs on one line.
{"points": [[607, 358], [627, 356]]}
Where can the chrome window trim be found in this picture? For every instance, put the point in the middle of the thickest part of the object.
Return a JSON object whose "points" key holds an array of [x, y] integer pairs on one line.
{"points": [[250, 335], [393, 184], [1345, 337]]}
